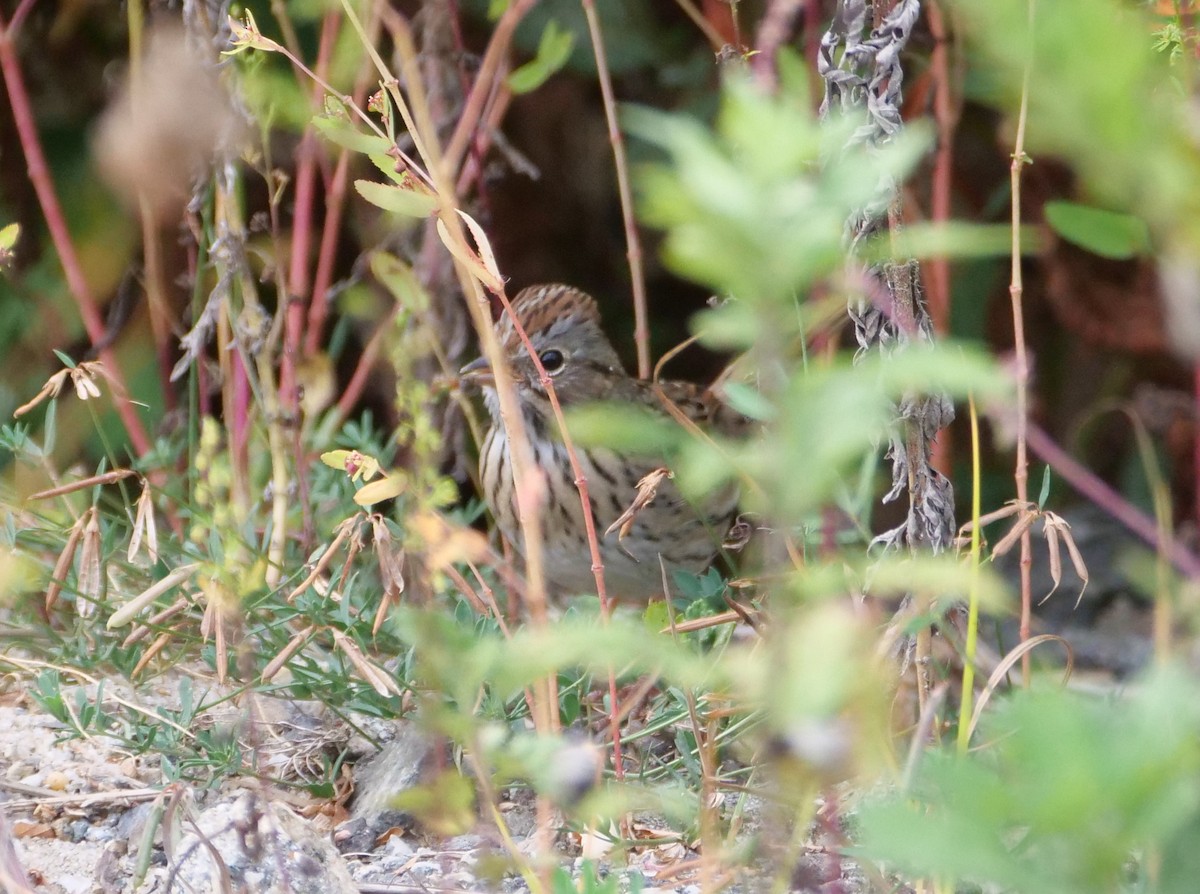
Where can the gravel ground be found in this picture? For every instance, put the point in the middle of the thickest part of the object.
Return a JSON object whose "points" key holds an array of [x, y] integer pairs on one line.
{"points": [[79, 810]]}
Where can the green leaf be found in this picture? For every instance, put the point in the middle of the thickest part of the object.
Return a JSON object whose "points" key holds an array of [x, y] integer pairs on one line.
{"points": [[749, 401], [399, 279], [1045, 492], [9, 236], [397, 199], [386, 164], [50, 428], [955, 239], [1109, 234], [656, 616], [342, 133], [554, 49], [623, 428]]}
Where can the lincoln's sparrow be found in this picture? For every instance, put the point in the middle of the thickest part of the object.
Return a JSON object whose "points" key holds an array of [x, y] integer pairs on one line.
{"points": [[563, 325]]}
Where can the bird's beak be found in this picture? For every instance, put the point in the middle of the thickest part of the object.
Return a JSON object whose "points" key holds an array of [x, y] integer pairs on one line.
{"points": [[478, 371]]}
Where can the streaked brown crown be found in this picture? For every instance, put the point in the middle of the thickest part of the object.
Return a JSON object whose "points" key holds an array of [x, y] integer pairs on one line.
{"points": [[545, 312]]}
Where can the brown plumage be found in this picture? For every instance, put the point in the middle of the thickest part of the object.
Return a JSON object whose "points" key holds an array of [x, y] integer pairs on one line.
{"points": [[563, 325]]}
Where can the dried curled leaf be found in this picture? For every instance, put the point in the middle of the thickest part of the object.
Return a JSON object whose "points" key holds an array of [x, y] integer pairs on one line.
{"points": [[144, 527], [379, 680], [1055, 527], [89, 582], [647, 490]]}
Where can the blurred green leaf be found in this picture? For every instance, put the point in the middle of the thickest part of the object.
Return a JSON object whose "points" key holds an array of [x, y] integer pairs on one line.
{"points": [[554, 49], [955, 239], [827, 418], [399, 279], [1133, 147], [342, 133], [1109, 234], [274, 95], [9, 235], [748, 401], [944, 579], [397, 199], [1069, 790], [758, 208], [623, 427]]}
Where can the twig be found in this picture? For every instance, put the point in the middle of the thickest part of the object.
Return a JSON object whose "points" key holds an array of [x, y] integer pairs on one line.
{"points": [[1016, 290], [714, 37], [84, 799], [633, 246], [970, 646]]}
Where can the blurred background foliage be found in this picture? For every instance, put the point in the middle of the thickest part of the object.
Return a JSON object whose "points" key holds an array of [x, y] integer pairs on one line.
{"points": [[1096, 325]]}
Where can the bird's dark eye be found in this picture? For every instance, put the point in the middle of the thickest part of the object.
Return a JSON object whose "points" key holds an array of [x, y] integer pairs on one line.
{"points": [[552, 360]]}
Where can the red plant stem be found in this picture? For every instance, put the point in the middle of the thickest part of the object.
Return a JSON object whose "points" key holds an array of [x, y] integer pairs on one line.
{"points": [[714, 37], [1196, 442], [773, 33], [19, 16], [472, 111], [937, 269], [297, 287], [937, 280], [472, 170], [39, 176], [589, 524], [1097, 491], [362, 371], [812, 34], [335, 201], [479, 145]]}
